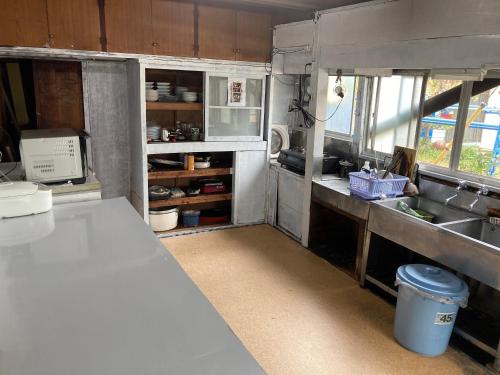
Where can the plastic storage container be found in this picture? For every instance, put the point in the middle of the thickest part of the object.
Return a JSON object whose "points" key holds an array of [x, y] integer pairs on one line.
{"points": [[428, 302], [366, 187], [190, 218]]}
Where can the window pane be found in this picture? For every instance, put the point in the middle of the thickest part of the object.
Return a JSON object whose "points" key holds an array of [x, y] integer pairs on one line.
{"points": [[234, 122], [342, 120], [481, 143], [438, 127], [395, 113]]}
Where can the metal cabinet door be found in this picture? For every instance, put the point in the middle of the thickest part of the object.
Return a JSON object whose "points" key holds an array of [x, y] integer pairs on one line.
{"points": [[290, 202], [291, 190], [249, 186]]}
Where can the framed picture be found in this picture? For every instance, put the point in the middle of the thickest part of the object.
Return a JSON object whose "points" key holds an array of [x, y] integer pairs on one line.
{"points": [[236, 92]]}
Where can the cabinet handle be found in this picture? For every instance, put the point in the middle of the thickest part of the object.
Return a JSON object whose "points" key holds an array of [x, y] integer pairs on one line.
{"points": [[155, 44], [52, 36]]}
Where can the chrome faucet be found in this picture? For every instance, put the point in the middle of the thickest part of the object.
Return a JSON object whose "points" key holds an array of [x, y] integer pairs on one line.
{"points": [[482, 190], [462, 185]]}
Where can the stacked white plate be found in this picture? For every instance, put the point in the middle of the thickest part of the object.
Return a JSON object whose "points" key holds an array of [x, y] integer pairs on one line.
{"points": [[153, 131], [163, 88], [189, 96]]}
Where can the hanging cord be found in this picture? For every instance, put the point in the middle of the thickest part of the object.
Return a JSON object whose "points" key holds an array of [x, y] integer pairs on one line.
{"points": [[309, 118]]}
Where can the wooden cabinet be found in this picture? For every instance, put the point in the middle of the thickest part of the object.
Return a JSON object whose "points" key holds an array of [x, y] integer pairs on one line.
{"points": [[128, 26], [216, 33], [74, 24], [173, 28], [59, 94], [253, 36], [234, 35], [162, 27], [23, 23]]}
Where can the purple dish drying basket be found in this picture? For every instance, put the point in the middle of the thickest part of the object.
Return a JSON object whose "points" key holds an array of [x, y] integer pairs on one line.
{"points": [[366, 187]]}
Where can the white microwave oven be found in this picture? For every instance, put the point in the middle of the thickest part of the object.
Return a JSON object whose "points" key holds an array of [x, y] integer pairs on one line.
{"points": [[54, 155]]}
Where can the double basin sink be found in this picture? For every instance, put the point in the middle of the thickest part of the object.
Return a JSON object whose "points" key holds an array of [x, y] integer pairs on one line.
{"points": [[459, 239]]}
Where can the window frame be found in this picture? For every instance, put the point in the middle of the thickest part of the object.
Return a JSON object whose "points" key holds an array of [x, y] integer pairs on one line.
{"points": [[367, 151], [358, 101], [452, 172]]}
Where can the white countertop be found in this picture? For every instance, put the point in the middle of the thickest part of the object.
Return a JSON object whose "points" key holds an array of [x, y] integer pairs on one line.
{"points": [[94, 292]]}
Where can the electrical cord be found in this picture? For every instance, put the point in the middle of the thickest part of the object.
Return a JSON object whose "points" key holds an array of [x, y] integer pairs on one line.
{"points": [[309, 118]]}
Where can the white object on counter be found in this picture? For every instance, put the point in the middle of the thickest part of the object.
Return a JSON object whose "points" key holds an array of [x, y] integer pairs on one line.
{"points": [[21, 198]]}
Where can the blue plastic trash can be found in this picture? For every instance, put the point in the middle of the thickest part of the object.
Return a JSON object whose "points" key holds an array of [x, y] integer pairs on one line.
{"points": [[428, 301]]}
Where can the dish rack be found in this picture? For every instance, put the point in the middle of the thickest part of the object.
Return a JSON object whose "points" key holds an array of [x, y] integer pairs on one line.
{"points": [[366, 187]]}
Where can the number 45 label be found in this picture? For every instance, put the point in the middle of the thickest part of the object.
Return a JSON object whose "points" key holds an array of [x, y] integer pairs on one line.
{"points": [[444, 318]]}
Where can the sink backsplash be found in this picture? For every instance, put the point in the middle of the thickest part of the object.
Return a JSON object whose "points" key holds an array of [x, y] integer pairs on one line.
{"points": [[439, 192]]}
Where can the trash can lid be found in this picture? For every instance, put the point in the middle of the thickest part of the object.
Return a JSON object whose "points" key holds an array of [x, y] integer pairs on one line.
{"points": [[433, 280]]}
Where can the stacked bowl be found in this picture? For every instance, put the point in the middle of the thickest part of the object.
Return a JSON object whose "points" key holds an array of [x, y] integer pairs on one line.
{"points": [[189, 96]]}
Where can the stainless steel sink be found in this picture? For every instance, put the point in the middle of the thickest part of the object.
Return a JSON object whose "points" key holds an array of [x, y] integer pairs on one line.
{"points": [[478, 229], [441, 213], [458, 239]]}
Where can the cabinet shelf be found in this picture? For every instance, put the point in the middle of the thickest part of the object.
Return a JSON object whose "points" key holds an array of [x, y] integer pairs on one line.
{"points": [[158, 175], [204, 198], [175, 106]]}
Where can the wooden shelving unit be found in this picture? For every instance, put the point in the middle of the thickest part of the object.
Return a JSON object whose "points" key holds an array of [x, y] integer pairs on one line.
{"points": [[159, 175], [176, 106], [202, 198], [185, 230]]}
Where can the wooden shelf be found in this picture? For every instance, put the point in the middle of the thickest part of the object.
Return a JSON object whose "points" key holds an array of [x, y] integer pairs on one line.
{"points": [[158, 175], [175, 106], [202, 198], [200, 228]]}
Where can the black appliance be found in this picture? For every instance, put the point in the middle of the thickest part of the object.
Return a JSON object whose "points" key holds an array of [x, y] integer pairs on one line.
{"points": [[296, 162]]}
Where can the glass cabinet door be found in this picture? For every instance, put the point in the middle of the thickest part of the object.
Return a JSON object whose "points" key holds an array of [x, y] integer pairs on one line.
{"points": [[234, 109]]}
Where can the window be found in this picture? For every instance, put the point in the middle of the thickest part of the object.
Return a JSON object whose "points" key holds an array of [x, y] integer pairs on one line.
{"points": [[437, 129], [340, 109], [393, 113], [481, 141], [461, 136]]}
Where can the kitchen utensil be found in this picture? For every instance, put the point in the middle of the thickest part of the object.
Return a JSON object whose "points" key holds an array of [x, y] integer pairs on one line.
{"points": [[215, 216], [190, 163], [165, 135], [163, 219], [159, 192], [345, 167], [190, 218], [201, 165], [151, 95], [192, 191], [166, 163], [195, 134], [212, 186], [177, 192]]}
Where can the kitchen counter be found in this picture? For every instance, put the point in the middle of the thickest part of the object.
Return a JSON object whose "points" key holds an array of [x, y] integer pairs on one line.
{"points": [[88, 289], [334, 192]]}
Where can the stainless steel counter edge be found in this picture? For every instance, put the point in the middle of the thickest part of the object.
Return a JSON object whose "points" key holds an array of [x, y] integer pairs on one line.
{"points": [[335, 194], [87, 288]]}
